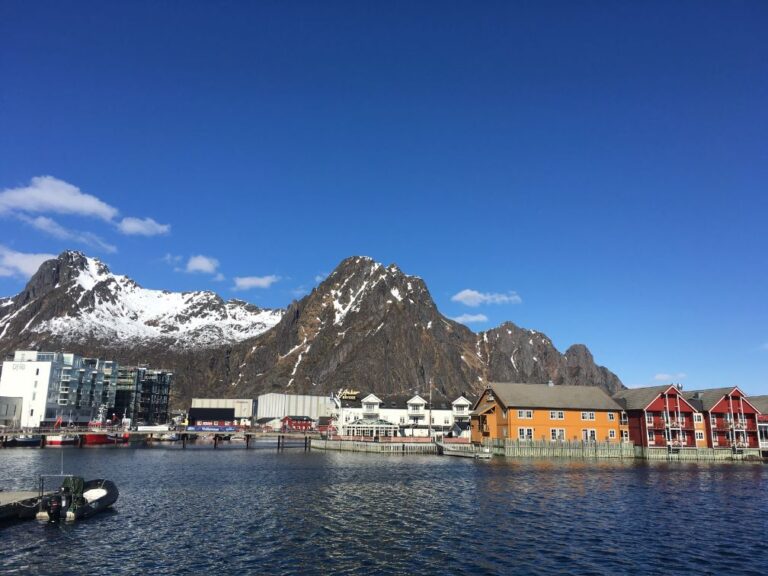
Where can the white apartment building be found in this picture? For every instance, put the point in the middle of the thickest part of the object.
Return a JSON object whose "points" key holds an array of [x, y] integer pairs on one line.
{"points": [[412, 417], [55, 385]]}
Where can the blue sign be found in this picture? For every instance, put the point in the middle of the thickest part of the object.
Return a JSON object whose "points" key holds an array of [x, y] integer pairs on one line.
{"points": [[211, 429]]}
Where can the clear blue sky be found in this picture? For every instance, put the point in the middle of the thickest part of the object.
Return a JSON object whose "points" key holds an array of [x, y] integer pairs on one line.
{"points": [[605, 161]]}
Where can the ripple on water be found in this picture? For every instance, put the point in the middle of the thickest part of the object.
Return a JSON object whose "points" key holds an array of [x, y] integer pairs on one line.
{"points": [[232, 511]]}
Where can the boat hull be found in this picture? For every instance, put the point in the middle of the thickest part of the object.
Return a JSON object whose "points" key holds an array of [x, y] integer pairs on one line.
{"points": [[100, 438], [61, 440]]}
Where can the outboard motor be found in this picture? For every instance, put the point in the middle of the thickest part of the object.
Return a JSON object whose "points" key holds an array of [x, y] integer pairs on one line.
{"points": [[54, 508]]}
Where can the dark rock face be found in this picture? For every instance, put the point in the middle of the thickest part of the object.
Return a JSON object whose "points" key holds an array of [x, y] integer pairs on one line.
{"points": [[366, 326]]}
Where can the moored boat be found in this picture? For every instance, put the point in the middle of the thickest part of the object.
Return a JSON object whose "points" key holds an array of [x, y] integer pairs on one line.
{"points": [[24, 440], [61, 440], [77, 499], [99, 438]]}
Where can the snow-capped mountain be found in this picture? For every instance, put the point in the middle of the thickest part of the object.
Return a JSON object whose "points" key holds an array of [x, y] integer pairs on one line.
{"points": [[76, 299], [366, 326]]}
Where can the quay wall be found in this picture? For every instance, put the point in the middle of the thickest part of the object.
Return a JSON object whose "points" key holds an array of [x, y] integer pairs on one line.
{"points": [[375, 447], [564, 449]]}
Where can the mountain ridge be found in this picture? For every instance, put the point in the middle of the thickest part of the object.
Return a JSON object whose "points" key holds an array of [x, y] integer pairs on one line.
{"points": [[365, 326]]}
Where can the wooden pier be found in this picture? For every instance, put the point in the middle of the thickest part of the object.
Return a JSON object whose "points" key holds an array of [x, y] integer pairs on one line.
{"points": [[18, 504]]}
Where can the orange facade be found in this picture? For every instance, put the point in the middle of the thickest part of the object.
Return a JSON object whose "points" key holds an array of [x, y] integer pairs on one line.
{"points": [[493, 420]]}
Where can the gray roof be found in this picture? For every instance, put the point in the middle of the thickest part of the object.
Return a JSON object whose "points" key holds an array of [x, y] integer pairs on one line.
{"points": [[760, 402], [706, 399], [546, 396], [638, 398]]}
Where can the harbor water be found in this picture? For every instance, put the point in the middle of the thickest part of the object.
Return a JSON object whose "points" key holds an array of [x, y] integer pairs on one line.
{"points": [[237, 511]]}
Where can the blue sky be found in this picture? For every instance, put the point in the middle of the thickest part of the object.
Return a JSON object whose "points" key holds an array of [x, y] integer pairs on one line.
{"points": [[594, 170]]}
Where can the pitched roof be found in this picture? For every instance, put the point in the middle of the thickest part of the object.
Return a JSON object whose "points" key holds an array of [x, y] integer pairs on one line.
{"points": [[546, 396], [760, 402], [706, 399], [639, 398]]}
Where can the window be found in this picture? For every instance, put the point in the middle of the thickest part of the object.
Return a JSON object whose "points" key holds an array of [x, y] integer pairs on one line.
{"points": [[612, 434], [402, 419], [589, 434], [649, 417], [713, 420], [557, 415], [34, 395], [651, 437], [525, 433], [698, 418], [37, 372], [681, 420], [525, 414], [625, 435], [587, 415], [611, 416], [557, 434], [699, 435], [446, 420], [504, 414], [432, 420]]}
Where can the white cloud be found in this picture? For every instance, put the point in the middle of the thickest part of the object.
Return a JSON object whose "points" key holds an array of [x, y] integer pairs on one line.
{"points": [[172, 259], [471, 318], [248, 282], [203, 264], [664, 377], [219, 277], [53, 228], [321, 277], [474, 298], [142, 227], [49, 195], [46, 194], [14, 263]]}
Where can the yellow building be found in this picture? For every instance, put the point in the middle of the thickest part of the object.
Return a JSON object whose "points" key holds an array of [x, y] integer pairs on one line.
{"points": [[545, 412]]}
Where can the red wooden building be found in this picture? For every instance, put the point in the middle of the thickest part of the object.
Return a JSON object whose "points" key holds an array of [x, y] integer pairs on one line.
{"points": [[296, 423], [658, 416], [731, 419]]}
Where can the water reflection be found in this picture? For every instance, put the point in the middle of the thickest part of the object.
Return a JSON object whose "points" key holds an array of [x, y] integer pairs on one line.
{"points": [[233, 511]]}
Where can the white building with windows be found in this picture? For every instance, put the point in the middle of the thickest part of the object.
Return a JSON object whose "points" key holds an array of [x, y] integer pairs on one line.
{"points": [[56, 385], [403, 416]]}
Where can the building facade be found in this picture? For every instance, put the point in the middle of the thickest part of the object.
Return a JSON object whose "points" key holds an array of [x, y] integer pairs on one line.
{"points": [[660, 417], [10, 411], [59, 387], [401, 416], [730, 419], [244, 407], [276, 406], [547, 413], [142, 395]]}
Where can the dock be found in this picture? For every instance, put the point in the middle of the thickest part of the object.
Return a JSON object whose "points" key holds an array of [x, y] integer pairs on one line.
{"points": [[18, 504]]}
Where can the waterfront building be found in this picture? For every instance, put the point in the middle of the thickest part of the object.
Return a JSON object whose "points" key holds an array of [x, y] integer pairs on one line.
{"points": [[142, 394], [296, 423], [397, 415], [244, 407], [274, 405], [545, 412], [761, 403], [730, 419], [10, 411], [211, 417], [660, 417], [57, 387]]}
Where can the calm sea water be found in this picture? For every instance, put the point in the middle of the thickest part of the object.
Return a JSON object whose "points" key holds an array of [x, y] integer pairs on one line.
{"points": [[232, 511]]}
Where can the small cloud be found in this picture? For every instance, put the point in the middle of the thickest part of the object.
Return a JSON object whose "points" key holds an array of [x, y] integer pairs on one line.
{"points": [[142, 227], [20, 264], [664, 377], [474, 298], [248, 282], [53, 228], [219, 277], [46, 194], [172, 259], [471, 318], [320, 277], [202, 264]]}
